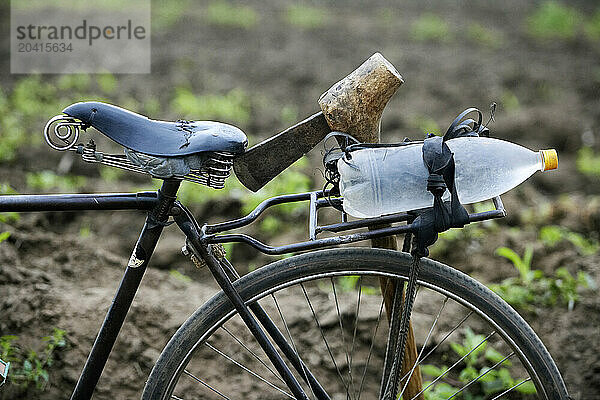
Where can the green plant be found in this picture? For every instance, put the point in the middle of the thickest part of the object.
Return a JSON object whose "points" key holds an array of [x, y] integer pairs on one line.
{"points": [[532, 287], [448, 240], [479, 356], [8, 217], [292, 180], [592, 27], [31, 367], [76, 82], [306, 17], [179, 276], [48, 180], [430, 28], [13, 137], [270, 225], [225, 14], [289, 114], [484, 36], [551, 235], [4, 236], [107, 82], [151, 106], [588, 162], [523, 265], [165, 14], [552, 20], [111, 174], [33, 97], [7, 348], [426, 125], [231, 107], [509, 101], [349, 283]]}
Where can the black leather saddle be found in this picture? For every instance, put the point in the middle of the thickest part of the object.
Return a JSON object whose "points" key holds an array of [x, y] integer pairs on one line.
{"points": [[158, 138]]}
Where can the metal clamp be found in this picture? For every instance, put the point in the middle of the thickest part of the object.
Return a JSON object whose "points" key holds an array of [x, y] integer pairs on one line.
{"points": [[216, 250]]}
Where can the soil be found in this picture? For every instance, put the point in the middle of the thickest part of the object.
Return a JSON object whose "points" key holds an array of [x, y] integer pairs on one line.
{"points": [[53, 276]]}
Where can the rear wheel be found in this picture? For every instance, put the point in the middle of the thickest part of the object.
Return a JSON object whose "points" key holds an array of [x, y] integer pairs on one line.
{"points": [[328, 304]]}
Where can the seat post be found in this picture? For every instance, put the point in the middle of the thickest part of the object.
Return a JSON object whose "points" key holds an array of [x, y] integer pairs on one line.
{"points": [[155, 222]]}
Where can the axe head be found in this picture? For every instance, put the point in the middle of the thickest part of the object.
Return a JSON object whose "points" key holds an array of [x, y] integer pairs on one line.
{"points": [[264, 161]]}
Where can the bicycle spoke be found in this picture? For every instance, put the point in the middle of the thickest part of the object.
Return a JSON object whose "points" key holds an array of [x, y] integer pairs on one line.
{"points": [[337, 307], [185, 371], [410, 373], [481, 375], [362, 380], [323, 336], [253, 354], [446, 336], [287, 329], [514, 387], [247, 370], [455, 364], [357, 311]]}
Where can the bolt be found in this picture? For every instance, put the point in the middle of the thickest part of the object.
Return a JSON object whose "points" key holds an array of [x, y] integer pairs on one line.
{"points": [[175, 210]]}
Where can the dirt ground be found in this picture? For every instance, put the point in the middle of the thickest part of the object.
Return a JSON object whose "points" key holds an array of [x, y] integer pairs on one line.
{"points": [[548, 92]]}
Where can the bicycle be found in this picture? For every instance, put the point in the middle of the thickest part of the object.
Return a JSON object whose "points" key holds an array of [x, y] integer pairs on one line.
{"points": [[252, 323]]}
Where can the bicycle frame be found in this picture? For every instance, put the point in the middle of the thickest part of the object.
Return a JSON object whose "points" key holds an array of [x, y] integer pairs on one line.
{"points": [[162, 205]]}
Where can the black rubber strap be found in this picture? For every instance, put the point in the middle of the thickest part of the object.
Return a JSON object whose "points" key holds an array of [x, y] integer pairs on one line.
{"points": [[439, 161]]}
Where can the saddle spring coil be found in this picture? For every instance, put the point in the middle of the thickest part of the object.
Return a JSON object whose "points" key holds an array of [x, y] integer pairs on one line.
{"points": [[62, 133]]}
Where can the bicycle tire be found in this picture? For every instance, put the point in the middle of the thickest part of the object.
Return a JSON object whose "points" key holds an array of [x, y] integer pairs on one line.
{"points": [[358, 261]]}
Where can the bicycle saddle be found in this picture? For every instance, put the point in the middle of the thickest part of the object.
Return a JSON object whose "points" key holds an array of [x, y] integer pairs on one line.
{"points": [[158, 138]]}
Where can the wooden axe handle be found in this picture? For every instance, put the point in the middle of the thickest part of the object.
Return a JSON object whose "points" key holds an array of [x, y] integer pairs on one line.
{"points": [[354, 105]]}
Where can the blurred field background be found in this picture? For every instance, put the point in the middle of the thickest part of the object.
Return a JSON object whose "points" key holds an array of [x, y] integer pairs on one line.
{"points": [[261, 65]]}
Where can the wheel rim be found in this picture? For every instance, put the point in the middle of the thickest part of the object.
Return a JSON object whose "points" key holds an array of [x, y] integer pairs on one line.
{"points": [[498, 331]]}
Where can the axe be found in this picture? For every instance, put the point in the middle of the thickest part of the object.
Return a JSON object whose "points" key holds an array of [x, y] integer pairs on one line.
{"points": [[353, 105]]}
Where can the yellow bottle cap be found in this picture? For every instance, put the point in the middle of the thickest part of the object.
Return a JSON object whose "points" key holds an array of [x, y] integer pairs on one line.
{"points": [[550, 158]]}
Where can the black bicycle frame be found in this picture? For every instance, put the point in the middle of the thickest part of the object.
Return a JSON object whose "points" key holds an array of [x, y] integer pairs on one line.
{"points": [[162, 205]]}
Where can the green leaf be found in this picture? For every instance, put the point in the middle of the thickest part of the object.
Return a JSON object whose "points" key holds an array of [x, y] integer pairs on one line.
{"points": [[44, 374], [4, 236], [509, 254], [588, 163], [551, 235], [523, 265], [27, 366], [493, 355], [504, 375], [179, 276], [459, 349], [527, 388], [490, 376], [473, 343], [468, 374], [552, 20], [444, 390], [432, 370]]}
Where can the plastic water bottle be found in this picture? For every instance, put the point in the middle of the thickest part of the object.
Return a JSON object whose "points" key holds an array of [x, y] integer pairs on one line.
{"points": [[382, 181]]}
